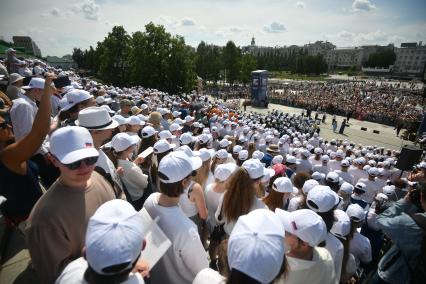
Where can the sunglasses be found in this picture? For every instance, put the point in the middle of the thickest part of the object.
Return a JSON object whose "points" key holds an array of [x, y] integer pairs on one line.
{"points": [[87, 161]]}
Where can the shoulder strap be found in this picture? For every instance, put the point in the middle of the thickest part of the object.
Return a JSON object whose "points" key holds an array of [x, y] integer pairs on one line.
{"points": [[191, 187]]}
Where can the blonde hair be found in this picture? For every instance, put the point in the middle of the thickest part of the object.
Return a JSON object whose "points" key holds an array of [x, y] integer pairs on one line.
{"points": [[250, 149], [240, 195], [203, 173]]}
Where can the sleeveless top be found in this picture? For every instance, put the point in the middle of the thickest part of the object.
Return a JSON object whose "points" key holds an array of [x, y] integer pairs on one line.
{"points": [[188, 207], [21, 191]]}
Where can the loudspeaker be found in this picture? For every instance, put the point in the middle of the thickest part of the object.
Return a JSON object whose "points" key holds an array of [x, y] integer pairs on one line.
{"points": [[410, 156], [363, 128], [376, 131]]}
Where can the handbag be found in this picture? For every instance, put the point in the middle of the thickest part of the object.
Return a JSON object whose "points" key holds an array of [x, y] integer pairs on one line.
{"points": [[218, 233]]}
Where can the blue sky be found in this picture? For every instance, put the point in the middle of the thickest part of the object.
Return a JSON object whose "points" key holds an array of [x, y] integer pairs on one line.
{"points": [[58, 26]]}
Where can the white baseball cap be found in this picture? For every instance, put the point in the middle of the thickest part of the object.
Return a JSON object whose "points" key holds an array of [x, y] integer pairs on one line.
{"points": [[122, 141], [186, 138], [203, 138], [222, 154], [114, 235], [355, 212], [342, 224], [243, 155], [134, 120], [258, 155], [373, 171], [120, 119], [318, 176], [189, 118], [237, 149], [224, 143], [345, 163], [333, 177], [305, 224], [72, 143], [35, 83], [389, 190], [360, 186], [224, 171], [318, 151], [148, 131], [176, 113], [291, 159], [205, 154], [283, 184], [174, 126], [346, 188], [95, 118], [254, 168], [74, 97], [308, 185], [278, 159], [325, 158], [256, 246], [306, 153], [162, 146], [340, 154], [166, 134], [176, 166], [269, 173], [322, 199]]}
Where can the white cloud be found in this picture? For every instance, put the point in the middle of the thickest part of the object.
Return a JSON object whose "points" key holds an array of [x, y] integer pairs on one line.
{"points": [[363, 5], [187, 22], [55, 12], [274, 27], [300, 5], [88, 8]]}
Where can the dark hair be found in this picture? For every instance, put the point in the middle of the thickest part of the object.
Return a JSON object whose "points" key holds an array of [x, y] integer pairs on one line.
{"points": [[146, 143], [92, 277], [328, 218], [170, 189], [154, 166], [300, 178], [238, 277]]}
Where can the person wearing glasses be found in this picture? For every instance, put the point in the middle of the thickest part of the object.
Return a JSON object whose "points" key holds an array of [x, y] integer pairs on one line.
{"points": [[18, 174], [57, 224]]}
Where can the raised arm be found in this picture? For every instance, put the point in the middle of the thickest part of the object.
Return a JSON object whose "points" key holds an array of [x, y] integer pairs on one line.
{"points": [[15, 155]]}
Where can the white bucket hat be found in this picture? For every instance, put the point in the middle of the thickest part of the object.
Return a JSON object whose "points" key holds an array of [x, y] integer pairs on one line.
{"points": [[95, 118]]}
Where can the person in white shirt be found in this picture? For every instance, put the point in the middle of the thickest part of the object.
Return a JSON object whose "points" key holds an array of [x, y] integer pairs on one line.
{"points": [[100, 125], [304, 164], [343, 172], [316, 159], [357, 170], [322, 168], [372, 187], [134, 180], [186, 257], [114, 241], [359, 245], [335, 164], [308, 263], [240, 197]]}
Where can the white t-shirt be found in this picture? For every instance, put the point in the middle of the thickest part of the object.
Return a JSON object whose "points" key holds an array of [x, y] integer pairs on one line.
{"points": [[346, 176], [319, 270], [357, 174], [321, 169], [360, 247], [186, 257], [212, 202], [208, 276], [304, 166], [133, 178], [294, 203], [229, 225], [74, 274], [334, 165], [335, 248], [371, 189]]}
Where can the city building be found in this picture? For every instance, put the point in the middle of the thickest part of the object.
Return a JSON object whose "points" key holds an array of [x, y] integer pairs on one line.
{"points": [[27, 43], [410, 59], [65, 62], [319, 47]]}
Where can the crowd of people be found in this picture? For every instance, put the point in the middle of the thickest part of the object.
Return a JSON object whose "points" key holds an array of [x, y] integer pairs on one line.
{"points": [[242, 197], [371, 100]]}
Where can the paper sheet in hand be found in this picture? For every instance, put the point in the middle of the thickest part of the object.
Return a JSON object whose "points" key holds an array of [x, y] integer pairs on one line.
{"points": [[146, 153], [157, 242]]}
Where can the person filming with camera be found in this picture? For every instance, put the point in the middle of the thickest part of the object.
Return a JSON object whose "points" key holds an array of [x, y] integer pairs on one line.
{"points": [[404, 222]]}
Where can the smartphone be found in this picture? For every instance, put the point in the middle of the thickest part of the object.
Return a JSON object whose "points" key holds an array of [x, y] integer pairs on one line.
{"points": [[61, 82]]}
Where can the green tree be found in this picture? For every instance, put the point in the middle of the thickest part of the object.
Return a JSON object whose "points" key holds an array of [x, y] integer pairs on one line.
{"points": [[231, 61], [248, 64], [384, 57], [78, 57], [114, 56]]}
